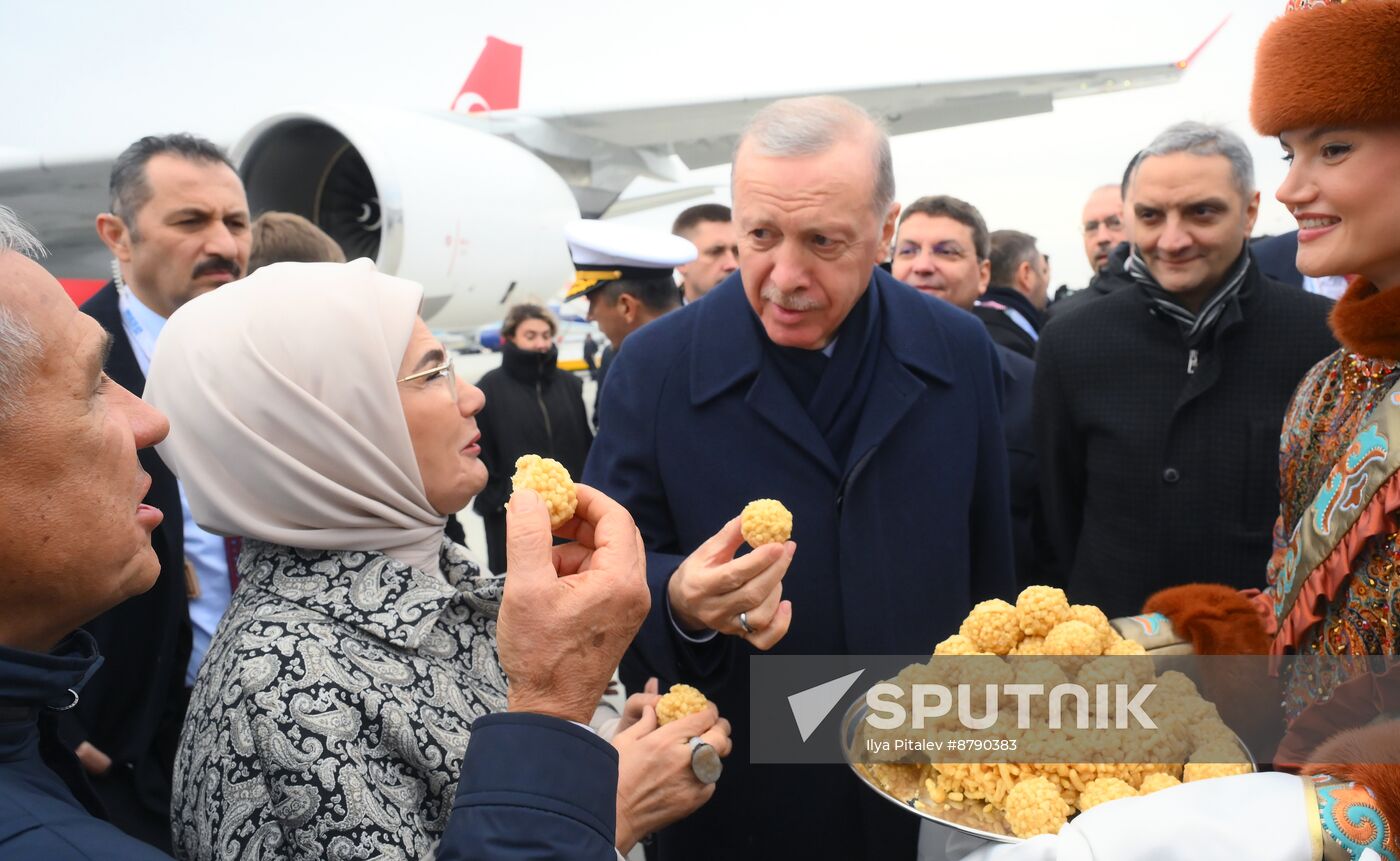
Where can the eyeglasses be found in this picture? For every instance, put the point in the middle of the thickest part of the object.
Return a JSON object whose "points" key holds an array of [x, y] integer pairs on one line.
{"points": [[446, 369], [948, 251], [1113, 222]]}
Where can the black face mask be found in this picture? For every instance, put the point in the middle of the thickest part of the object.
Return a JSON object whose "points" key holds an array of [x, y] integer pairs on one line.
{"points": [[529, 363]]}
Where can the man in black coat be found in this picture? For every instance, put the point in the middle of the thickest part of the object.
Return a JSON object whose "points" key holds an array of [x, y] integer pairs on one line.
{"points": [[532, 407], [1158, 406], [869, 410], [1103, 225], [1278, 257], [179, 226], [1013, 308]]}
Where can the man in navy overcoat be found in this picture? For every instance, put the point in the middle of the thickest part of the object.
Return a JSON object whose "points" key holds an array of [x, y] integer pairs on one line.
{"points": [[870, 410]]}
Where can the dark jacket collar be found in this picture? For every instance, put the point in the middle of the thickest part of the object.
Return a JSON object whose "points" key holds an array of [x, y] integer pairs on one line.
{"points": [[913, 334], [1114, 273], [33, 681], [1013, 298], [528, 366]]}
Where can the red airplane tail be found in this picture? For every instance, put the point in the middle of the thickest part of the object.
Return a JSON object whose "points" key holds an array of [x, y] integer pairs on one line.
{"points": [[493, 84]]}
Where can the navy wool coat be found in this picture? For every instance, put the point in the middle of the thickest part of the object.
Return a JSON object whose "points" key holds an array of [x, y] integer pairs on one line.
{"points": [[893, 547]]}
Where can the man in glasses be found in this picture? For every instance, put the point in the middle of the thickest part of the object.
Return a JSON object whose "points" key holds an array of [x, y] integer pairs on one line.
{"points": [[177, 227], [1104, 231], [941, 248], [1103, 224]]}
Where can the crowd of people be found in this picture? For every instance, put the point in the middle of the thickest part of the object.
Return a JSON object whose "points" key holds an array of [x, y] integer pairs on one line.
{"points": [[236, 621]]}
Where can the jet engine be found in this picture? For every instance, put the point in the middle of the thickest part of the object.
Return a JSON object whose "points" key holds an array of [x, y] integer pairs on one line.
{"points": [[475, 219]]}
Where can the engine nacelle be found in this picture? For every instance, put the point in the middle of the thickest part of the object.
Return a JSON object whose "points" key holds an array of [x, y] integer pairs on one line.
{"points": [[476, 220]]}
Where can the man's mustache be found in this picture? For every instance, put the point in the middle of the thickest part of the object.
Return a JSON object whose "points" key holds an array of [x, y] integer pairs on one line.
{"points": [[212, 265], [790, 301]]}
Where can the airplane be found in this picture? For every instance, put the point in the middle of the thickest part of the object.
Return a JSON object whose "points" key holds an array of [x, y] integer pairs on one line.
{"points": [[469, 200]]}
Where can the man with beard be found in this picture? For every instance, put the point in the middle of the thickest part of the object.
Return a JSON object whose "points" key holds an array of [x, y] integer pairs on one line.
{"points": [[178, 227]]}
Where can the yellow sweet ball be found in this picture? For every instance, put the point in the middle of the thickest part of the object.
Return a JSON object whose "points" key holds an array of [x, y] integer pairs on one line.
{"points": [[1041, 609], [994, 626], [1030, 646], [679, 701], [1034, 806], [547, 477], [1107, 671], [1073, 638], [1207, 770], [1124, 648], [766, 521], [956, 645], [1156, 782], [1219, 758], [1174, 683], [1095, 618], [1104, 789]]}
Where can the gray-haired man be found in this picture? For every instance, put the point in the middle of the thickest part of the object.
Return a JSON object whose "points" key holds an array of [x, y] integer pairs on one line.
{"points": [[535, 783], [869, 409], [1158, 405]]}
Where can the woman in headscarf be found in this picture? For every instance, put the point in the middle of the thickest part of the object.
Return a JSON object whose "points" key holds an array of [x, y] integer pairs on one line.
{"points": [[1327, 85], [319, 419]]}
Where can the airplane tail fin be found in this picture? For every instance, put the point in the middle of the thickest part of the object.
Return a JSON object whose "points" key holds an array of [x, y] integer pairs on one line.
{"points": [[494, 82]]}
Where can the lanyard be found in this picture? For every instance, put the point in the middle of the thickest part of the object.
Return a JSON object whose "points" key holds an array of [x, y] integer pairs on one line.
{"points": [[143, 340]]}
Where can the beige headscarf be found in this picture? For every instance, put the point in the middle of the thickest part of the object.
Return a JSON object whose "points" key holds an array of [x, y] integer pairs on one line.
{"points": [[285, 419]]}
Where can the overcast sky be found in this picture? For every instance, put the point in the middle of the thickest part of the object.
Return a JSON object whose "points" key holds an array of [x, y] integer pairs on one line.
{"points": [[87, 78]]}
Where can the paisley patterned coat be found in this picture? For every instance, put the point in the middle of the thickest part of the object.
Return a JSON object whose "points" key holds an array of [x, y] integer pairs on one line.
{"points": [[1332, 403], [330, 717]]}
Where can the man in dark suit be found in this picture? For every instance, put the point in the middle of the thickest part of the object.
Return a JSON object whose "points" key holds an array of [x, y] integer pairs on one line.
{"points": [[1278, 257], [870, 410], [1013, 308], [1103, 223], [179, 226], [1158, 404]]}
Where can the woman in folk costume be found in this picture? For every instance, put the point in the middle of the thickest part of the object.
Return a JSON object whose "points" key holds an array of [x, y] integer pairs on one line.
{"points": [[1327, 84], [314, 414]]}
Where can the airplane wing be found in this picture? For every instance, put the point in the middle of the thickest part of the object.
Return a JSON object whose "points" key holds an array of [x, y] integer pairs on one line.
{"points": [[703, 134]]}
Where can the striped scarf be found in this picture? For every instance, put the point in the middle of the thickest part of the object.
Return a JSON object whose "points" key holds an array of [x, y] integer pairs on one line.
{"points": [[1194, 327]]}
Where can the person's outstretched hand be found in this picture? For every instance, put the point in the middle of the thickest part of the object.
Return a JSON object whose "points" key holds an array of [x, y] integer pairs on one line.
{"points": [[569, 612]]}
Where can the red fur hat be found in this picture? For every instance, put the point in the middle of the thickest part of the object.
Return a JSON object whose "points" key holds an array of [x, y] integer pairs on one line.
{"points": [[1328, 64]]}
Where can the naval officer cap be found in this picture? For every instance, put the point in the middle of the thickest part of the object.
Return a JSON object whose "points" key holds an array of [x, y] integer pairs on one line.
{"points": [[605, 251]]}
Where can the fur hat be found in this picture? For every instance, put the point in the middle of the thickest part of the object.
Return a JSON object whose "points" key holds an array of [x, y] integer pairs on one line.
{"points": [[1328, 64]]}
